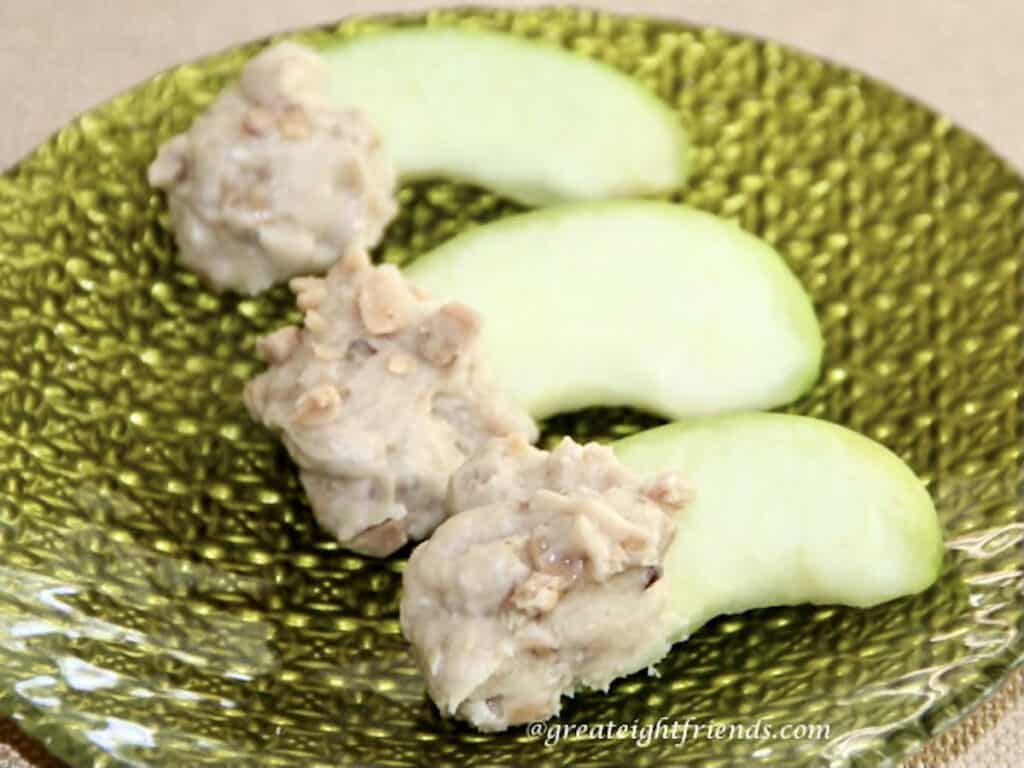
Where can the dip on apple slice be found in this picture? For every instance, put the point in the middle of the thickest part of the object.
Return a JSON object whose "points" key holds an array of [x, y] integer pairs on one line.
{"points": [[566, 570]]}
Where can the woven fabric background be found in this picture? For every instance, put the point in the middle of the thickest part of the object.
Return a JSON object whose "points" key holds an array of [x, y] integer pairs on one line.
{"points": [[964, 61]]}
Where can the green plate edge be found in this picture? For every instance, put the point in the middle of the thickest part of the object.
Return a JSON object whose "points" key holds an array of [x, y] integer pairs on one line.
{"points": [[906, 230]]}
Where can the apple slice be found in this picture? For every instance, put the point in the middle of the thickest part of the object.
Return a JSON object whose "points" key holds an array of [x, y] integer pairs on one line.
{"points": [[530, 121], [552, 574], [646, 304], [787, 510]]}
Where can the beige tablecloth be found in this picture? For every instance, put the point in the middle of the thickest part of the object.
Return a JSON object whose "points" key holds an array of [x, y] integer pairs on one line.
{"points": [[963, 57]]}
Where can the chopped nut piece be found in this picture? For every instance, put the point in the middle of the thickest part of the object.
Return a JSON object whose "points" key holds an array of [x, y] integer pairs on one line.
{"points": [[300, 285], [670, 490], [171, 164], [294, 123], [318, 406], [383, 301], [309, 292], [400, 364], [353, 261], [310, 300], [279, 345], [315, 322], [538, 594], [447, 332], [258, 121], [285, 74]]}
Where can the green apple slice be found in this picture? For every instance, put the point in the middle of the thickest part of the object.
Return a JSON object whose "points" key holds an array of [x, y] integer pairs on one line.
{"points": [[787, 510], [528, 120], [638, 303]]}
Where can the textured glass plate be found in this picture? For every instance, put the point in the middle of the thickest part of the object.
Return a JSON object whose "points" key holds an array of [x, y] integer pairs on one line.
{"points": [[165, 597]]}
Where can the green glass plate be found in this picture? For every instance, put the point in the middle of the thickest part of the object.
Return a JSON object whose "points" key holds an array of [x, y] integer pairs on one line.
{"points": [[166, 598]]}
